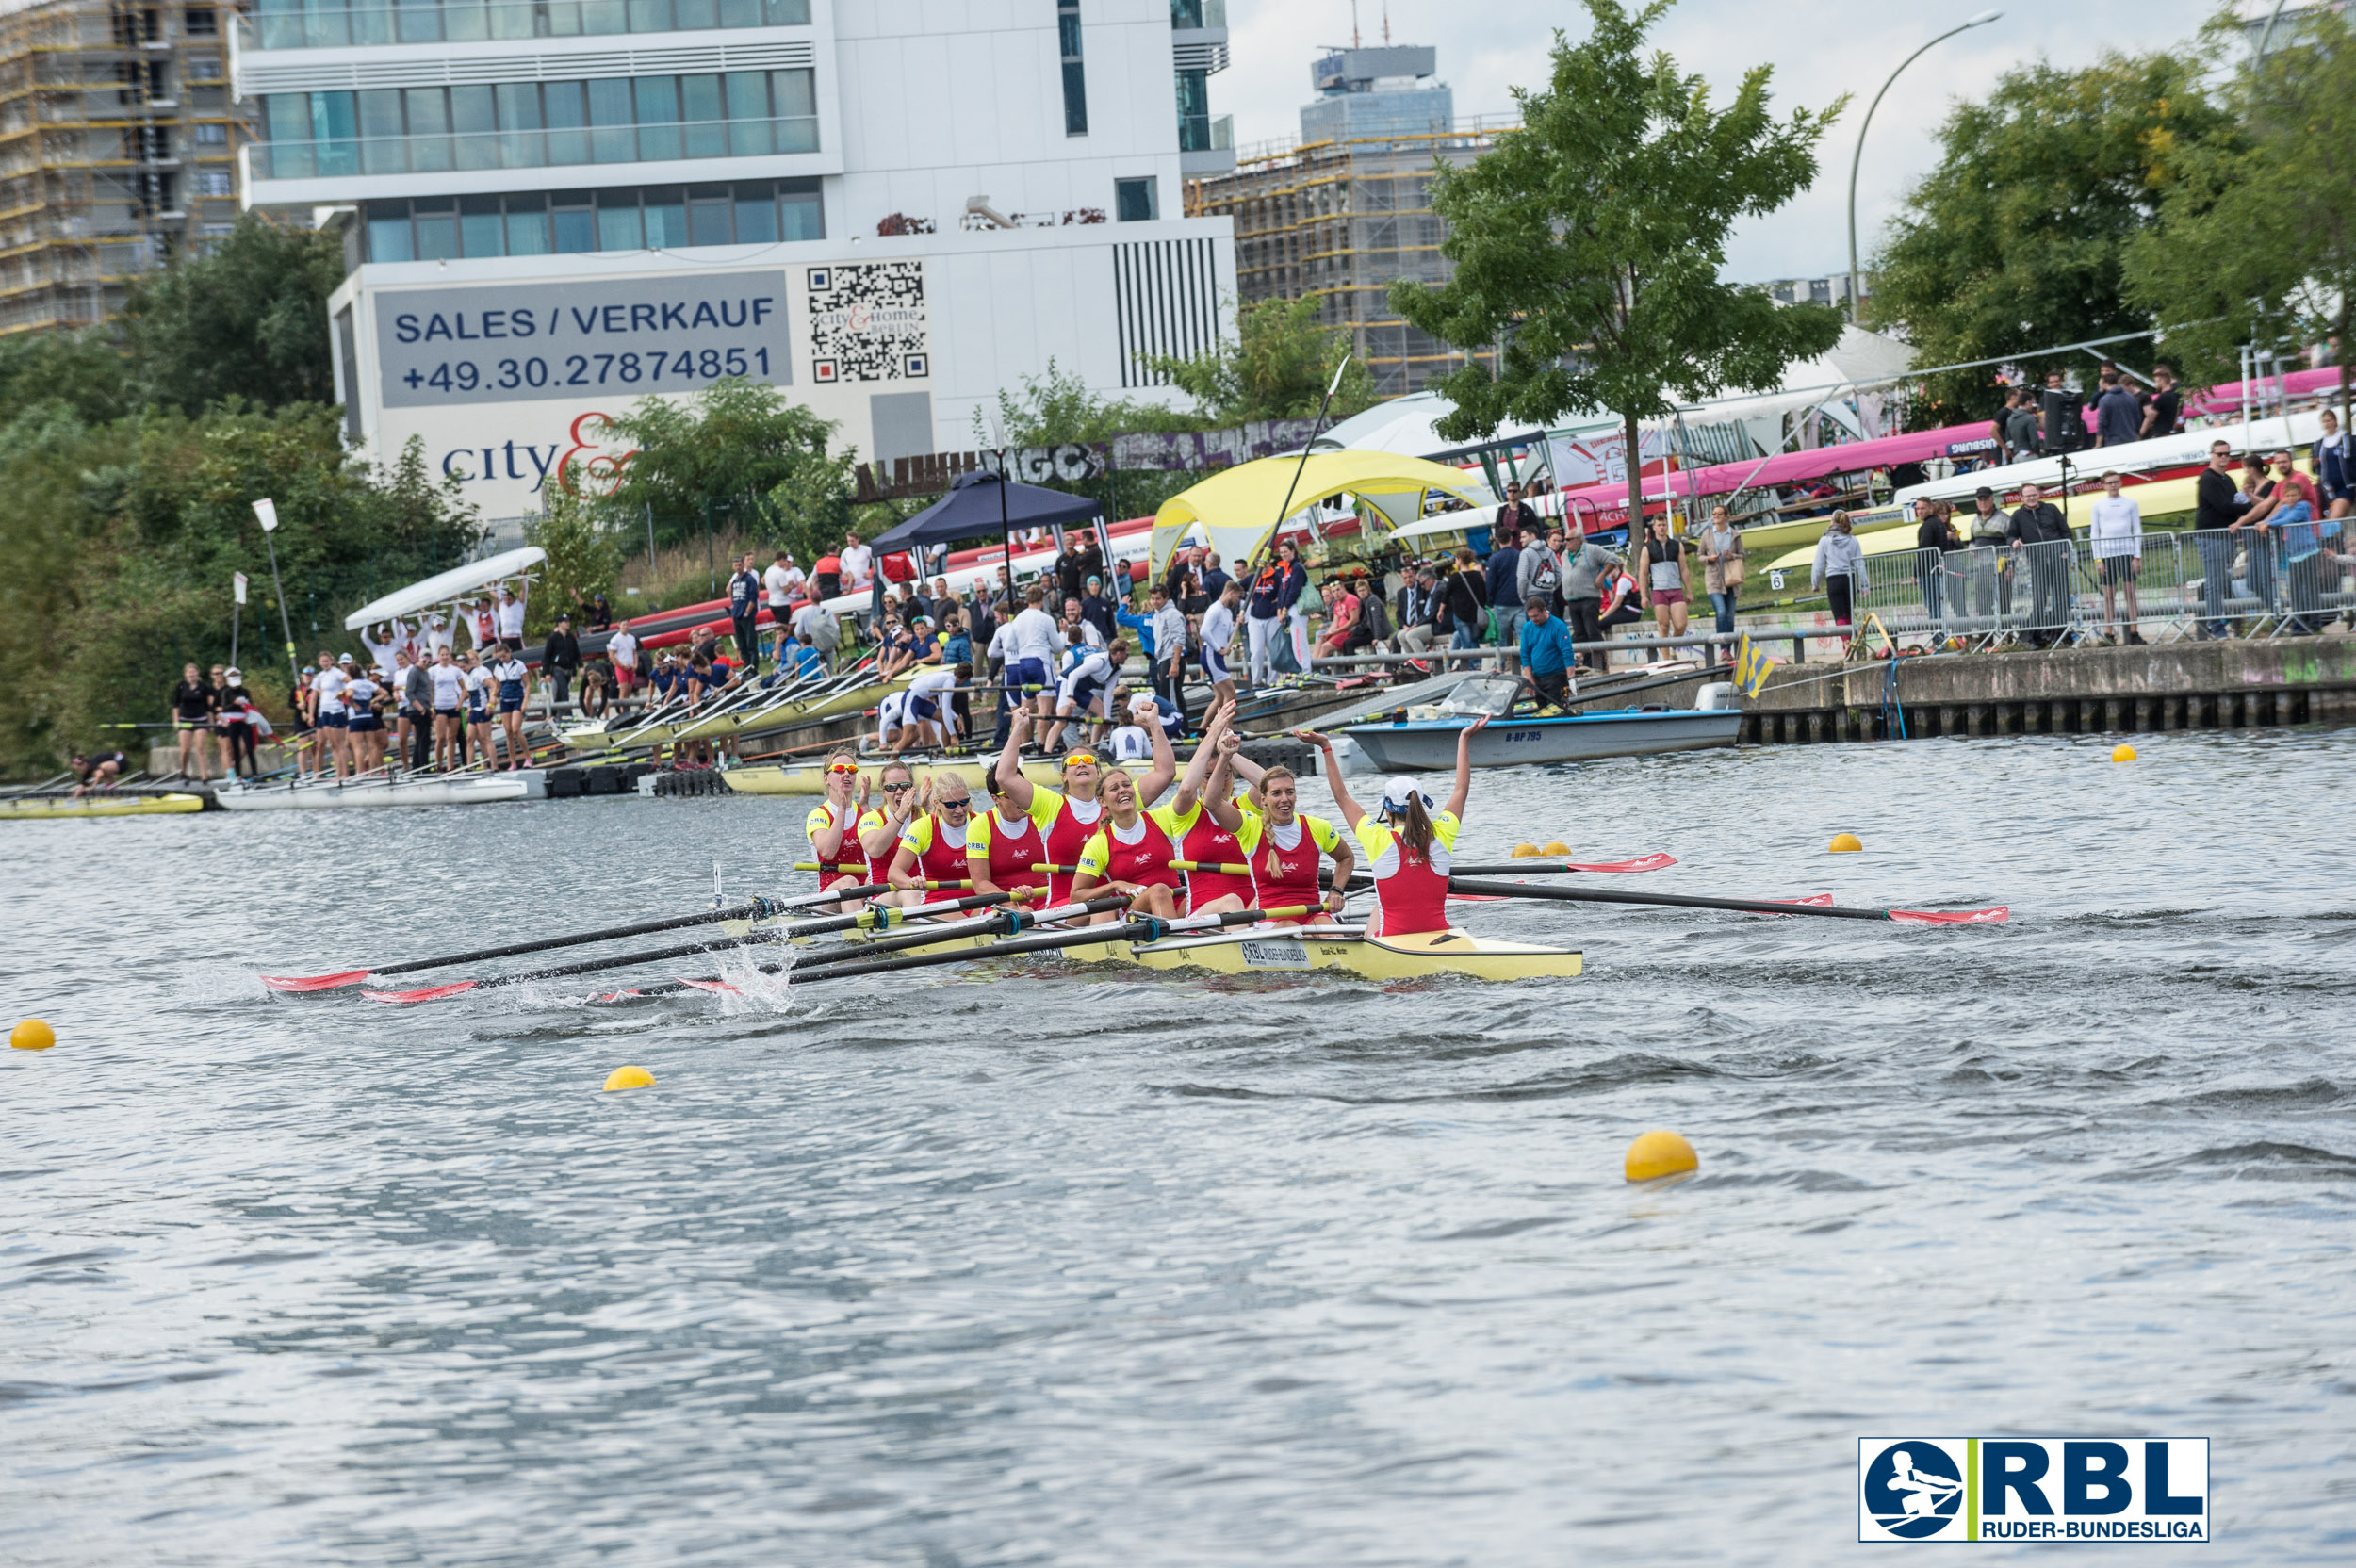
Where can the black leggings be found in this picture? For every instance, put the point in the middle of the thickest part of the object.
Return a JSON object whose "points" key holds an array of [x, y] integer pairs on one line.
{"points": [[241, 738]]}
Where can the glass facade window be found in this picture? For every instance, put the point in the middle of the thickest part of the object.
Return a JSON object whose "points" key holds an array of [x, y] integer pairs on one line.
{"points": [[314, 24], [1134, 201], [538, 124], [1076, 87], [1194, 111], [532, 224]]}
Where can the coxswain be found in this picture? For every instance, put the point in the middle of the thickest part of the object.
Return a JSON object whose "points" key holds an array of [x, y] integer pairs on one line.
{"points": [[1284, 846], [1068, 818], [1003, 847], [834, 826], [1202, 840], [933, 847], [1131, 853], [1408, 844]]}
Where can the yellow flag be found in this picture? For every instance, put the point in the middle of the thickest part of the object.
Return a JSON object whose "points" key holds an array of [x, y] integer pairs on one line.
{"points": [[1751, 667]]}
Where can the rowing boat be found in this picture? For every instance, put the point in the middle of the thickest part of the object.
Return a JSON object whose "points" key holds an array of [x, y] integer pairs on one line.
{"points": [[1291, 948], [745, 716], [316, 794], [809, 778], [102, 806]]}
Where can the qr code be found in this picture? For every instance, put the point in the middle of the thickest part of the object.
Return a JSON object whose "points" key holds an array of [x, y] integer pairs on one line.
{"points": [[867, 321]]}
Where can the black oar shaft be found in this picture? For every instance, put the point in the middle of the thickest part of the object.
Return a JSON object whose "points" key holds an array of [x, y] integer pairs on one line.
{"points": [[798, 928], [645, 927], [1673, 901]]}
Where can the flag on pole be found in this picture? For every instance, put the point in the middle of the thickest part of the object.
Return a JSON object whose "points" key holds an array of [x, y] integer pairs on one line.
{"points": [[236, 581], [1751, 667]]}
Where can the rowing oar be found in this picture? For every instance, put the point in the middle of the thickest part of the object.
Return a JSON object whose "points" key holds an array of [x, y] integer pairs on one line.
{"points": [[865, 919], [759, 908], [1747, 905], [1129, 931]]}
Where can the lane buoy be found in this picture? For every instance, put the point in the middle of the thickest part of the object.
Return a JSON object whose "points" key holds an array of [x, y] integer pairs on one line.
{"points": [[32, 1034], [1844, 843], [628, 1078], [1558, 847], [1525, 852], [1659, 1153], [2123, 753]]}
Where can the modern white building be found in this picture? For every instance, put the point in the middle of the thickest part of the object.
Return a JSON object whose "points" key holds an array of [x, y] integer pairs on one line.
{"points": [[890, 210]]}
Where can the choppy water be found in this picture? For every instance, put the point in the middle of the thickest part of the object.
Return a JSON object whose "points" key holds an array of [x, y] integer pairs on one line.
{"points": [[1067, 1267]]}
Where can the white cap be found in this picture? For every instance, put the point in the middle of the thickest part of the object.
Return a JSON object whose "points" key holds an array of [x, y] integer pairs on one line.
{"points": [[1400, 790], [1143, 703]]}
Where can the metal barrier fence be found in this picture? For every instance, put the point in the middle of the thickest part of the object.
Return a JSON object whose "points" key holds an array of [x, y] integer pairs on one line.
{"points": [[2268, 581]]}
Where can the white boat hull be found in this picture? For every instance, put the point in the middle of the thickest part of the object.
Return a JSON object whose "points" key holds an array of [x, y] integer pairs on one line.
{"points": [[463, 790]]}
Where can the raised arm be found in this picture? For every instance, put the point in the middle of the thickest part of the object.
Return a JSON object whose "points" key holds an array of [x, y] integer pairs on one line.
{"points": [[1017, 789], [1218, 797], [1165, 766], [1206, 754], [1456, 798], [1352, 814]]}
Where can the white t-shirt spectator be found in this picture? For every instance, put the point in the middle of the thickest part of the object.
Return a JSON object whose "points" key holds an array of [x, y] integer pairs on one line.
{"points": [[1034, 634], [510, 622], [623, 649], [858, 565], [780, 581], [2118, 526], [815, 626], [1219, 626]]}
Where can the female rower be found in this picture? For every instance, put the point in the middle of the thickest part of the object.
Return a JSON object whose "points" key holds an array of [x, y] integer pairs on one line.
{"points": [[834, 826], [450, 697], [1283, 846], [478, 679], [364, 721], [1131, 853], [509, 671], [932, 848], [880, 831], [1202, 840], [1068, 818], [1003, 847], [1408, 844]]}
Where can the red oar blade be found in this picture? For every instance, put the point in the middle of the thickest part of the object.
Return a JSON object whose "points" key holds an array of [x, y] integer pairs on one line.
{"points": [[711, 986], [314, 982], [1997, 915], [1476, 898], [430, 993], [1643, 863]]}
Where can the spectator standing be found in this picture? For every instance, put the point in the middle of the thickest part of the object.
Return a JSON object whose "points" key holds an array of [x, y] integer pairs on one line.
{"points": [[2021, 427], [858, 564], [1547, 654], [1213, 578], [1838, 568], [2000, 428], [1096, 610], [1619, 607], [1167, 645], [1585, 570], [621, 651], [193, 704], [819, 631], [1274, 594], [2118, 415], [2118, 540], [2164, 413], [508, 618], [2289, 507], [1722, 571], [1538, 570], [415, 685], [1933, 538], [1465, 601], [1515, 516], [1665, 577], [2335, 464], [2042, 536], [1991, 562], [241, 722], [560, 661], [1504, 586], [745, 607]]}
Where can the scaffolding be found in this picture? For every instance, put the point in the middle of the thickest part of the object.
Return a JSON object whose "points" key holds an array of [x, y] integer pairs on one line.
{"points": [[1339, 222], [118, 150]]}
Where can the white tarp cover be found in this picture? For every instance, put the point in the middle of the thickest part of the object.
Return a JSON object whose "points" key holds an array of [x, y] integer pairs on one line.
{"points": [[446, 586]]}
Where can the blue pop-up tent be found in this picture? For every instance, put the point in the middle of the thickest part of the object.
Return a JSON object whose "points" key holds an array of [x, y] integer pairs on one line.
{"points": [[984, 505]]}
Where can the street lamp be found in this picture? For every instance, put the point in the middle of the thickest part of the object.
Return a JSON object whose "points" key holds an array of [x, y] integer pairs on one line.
{"points": [[1980, 21]]}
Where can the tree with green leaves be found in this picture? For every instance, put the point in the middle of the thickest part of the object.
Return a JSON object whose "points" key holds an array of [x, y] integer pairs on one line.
{"points": [[1276, 367], [717, 458], [2256, 238], [244, 318], [583, 558], [1589, 243], [2018, 240]]}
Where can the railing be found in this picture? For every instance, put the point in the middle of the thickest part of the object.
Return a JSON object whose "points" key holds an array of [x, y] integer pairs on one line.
{"points": [[2267, 581], [280, 25], [421, 155]]}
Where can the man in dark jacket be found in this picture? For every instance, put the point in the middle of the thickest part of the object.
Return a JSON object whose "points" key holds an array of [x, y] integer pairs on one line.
{"points": [[2219, 504], [1504, 584], [560, 659], [744, 609], [2042, 535]]}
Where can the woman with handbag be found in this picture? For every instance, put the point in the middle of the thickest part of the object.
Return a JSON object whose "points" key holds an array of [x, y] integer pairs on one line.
{"points": [[1722, 566]]}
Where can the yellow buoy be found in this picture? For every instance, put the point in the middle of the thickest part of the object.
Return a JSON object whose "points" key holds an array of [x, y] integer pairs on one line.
{"points": [[1844, 843], [1659, 1153], [1523, 852], [628, 1078], [32, 1034], [2123, 753], [1558, 847]]}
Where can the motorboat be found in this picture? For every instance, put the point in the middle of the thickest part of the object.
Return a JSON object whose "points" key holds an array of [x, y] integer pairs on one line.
{"points": [[1422, 738]]}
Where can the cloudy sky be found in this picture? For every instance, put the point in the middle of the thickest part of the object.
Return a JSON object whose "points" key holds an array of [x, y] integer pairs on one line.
{"points": [[1819, 48]]}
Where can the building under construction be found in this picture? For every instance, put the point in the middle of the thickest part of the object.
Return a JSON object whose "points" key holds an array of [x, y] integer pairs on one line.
{"points": [[118, 148], [1340, 215]]}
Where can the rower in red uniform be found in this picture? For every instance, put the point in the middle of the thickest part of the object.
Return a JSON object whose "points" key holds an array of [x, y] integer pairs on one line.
{"points": [[834, 826], [932, 847], [1003, 848], [1284, 846], [1409, 844], [1068, 818], [1131, 853], [1202, 840], [880, 831]]}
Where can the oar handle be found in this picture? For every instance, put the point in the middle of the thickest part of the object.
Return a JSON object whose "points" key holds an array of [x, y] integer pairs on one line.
{"points": [[1222, 867], [829, 865]]}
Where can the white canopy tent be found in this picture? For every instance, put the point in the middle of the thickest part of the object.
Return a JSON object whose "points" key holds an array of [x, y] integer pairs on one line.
{"points": [[443, 587]]}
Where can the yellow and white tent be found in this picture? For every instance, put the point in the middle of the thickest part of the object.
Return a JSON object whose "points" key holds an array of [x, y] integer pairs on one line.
{"points": [[1237, 509]]}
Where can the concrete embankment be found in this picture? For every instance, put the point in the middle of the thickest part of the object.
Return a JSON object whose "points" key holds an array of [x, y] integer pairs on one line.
{"points": [[2181, 685]]}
